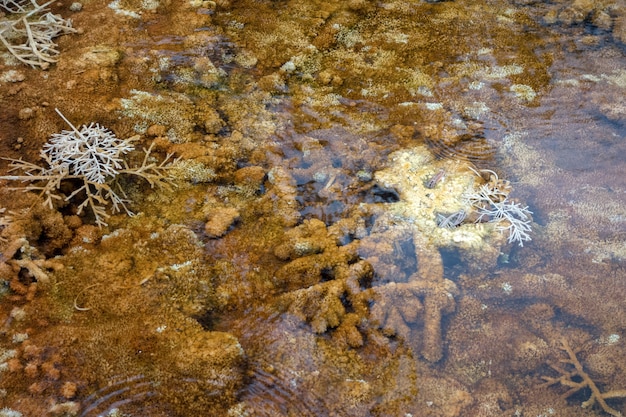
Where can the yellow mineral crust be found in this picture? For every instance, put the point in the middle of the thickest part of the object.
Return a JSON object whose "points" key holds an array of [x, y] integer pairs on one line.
{"points": [[338, 278], [320, 277], [139, 290], [328, 286], [409, 173]]}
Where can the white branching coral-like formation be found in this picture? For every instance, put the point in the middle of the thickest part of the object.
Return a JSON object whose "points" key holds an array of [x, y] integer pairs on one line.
{"points": [[28, 35], [492, 204], [93, 157], [92, 152]]}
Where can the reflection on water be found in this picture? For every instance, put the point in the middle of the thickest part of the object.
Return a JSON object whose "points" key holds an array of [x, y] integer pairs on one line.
{"points": [[341, 240]]}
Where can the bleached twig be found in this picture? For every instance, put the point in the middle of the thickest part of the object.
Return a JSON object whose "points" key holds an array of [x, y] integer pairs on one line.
{"points": [[573, 376], [452, 220], [17, 6], [30, 39]]}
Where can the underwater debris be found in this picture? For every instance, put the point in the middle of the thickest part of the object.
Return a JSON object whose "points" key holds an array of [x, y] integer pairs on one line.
{"points": [[18, 255], [569, 378], [401, 306], [452, 220], [436, 179], [518, 217], [28, 37], [493, 205], [92, 155]]}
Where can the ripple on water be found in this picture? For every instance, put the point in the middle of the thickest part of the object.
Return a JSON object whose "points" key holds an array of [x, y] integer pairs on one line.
{"points": [[283, 366], [272, 392], [117, 394], [471, 148]]}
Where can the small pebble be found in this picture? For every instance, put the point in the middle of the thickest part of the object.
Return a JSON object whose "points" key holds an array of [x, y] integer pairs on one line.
{"points": [[26, 113], [12, 76]]}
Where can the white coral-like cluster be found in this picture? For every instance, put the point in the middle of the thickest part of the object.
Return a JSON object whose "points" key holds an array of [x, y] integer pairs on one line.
{"points": [[92, 152], [493, 205], [92, 157]]}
